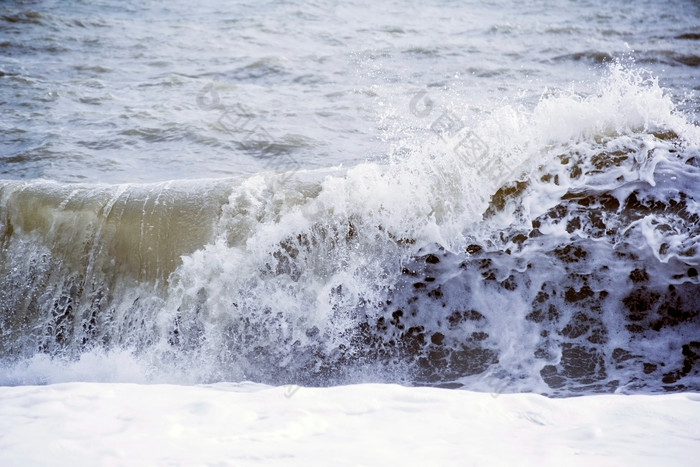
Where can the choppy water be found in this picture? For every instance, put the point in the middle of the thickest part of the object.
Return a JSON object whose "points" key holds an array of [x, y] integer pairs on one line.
{"points": [[500, 196]]}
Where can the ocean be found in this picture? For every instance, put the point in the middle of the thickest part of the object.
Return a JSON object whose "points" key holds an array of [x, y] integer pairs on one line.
{"points": [[245, 233], [484, 195]]}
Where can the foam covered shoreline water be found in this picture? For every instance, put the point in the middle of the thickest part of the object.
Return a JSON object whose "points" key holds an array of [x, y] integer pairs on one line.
{"points": [[249, 424]]}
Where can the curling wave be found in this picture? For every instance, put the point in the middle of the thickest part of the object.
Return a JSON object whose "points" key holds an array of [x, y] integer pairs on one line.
{"points": [[575, 270]]}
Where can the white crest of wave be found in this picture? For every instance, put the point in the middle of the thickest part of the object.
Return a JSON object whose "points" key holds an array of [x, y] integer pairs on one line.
{"points": [[319, 248]]}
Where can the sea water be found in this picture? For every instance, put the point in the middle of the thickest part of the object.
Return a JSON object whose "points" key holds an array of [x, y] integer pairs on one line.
{"points": [[498, 196]]}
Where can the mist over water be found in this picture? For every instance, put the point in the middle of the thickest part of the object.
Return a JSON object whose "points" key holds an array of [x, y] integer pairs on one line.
{"points": [[501, 197]]}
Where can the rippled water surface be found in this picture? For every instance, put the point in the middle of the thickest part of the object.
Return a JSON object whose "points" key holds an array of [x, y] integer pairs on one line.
{"points": [[107, 91]]}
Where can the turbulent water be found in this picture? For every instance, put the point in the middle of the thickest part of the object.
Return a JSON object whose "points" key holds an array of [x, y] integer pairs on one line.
{"points": [[498, 196]]}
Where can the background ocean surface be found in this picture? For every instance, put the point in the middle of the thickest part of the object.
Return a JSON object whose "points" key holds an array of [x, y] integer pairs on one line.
{"points": [[501, 196]]}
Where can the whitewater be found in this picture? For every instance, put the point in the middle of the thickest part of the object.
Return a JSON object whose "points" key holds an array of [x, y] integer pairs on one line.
{"points": [[258, 234]]}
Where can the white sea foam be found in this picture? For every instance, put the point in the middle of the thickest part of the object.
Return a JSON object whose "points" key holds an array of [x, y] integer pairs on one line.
{"points": [[248, 424]]}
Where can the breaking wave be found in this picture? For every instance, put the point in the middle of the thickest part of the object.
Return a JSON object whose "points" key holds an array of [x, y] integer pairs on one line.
{"points": [[564, 260]]}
